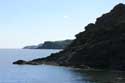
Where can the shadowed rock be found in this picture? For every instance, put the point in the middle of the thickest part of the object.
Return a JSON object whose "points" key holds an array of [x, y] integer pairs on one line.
{"points": [[20, 62], [100, 46]]}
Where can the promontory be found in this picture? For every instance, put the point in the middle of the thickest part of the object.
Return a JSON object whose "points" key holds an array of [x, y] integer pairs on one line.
{"points": [[100, 46]]}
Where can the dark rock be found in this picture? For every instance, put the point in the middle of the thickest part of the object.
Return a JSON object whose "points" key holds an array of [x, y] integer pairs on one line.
{"points": [[20, 62], [100, 46]]}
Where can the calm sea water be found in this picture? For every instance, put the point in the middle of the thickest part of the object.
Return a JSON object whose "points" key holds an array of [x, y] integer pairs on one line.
{"points": [[10, 73]]}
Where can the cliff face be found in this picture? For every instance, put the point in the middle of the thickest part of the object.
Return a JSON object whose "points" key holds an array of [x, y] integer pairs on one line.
{"points": [[100, 46]]}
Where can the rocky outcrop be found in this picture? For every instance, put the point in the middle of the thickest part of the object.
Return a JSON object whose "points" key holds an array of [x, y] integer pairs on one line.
{"points": [[51, 45], [100, 46], [20, 62]]}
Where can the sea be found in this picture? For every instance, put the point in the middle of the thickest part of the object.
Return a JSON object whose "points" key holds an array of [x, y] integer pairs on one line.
{"points": [[10, 73]]}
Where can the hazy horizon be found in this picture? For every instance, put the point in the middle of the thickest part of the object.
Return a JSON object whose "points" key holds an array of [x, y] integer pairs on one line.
{"points": [[30, 22]]}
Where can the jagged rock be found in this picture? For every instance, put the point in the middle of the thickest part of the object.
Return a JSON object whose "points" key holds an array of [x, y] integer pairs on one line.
{"points": [[100, 46], [20, 62]]}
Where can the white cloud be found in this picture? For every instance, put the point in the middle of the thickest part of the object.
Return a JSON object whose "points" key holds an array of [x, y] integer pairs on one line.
{"points": [[66, 17]]}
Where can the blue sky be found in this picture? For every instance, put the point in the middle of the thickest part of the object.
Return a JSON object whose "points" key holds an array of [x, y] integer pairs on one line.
{"points": [[27, 22]]}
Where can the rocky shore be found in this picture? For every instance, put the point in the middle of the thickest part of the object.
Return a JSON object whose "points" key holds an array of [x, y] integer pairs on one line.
{"points": [[100, 46]]}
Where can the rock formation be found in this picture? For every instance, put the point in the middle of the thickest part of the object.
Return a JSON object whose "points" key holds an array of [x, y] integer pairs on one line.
{"points": [[100, 46]]}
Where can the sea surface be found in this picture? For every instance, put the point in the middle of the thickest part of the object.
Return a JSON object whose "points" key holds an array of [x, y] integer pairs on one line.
{"points": [[10, 73]]}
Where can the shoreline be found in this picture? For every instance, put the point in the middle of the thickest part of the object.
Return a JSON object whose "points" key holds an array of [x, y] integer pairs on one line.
{"points": [[70, 67]]}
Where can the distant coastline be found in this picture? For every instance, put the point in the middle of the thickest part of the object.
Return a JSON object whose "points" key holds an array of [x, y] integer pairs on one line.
{"points": [[50, 45]]}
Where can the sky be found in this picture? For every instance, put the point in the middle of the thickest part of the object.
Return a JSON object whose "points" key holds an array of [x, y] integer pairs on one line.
{"points": [[30, 22]]}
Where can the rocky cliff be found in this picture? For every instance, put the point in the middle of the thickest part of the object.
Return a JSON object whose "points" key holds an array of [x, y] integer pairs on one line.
{"points": [[100, 46]]}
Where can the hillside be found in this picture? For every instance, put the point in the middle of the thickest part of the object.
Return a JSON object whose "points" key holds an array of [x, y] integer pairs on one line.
{"points": [[100, 46], [50, 45]]}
